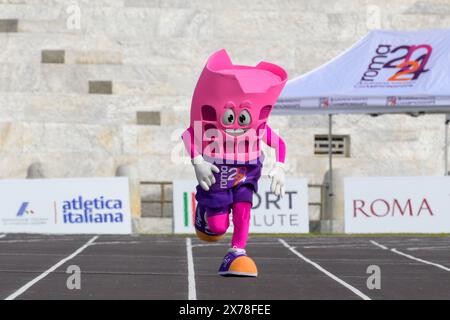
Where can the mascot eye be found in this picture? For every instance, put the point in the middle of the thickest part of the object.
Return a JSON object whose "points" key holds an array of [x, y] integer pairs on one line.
{"points": [[228, 117], [244, 118]]}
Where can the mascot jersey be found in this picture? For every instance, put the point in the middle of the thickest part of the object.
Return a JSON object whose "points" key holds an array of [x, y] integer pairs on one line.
{"points": [[229, 112]]}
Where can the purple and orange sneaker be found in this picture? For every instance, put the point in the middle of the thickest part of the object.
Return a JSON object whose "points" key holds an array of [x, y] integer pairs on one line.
{"points": [[237, 263], [201, 226]]}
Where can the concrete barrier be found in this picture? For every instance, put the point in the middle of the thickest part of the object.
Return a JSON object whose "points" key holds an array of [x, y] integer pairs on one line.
{"points": [[332, 220], [132, 172]]}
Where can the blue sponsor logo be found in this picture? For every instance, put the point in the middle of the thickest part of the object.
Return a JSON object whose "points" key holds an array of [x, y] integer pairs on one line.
{"points": [[97, 210], [23, 210]]}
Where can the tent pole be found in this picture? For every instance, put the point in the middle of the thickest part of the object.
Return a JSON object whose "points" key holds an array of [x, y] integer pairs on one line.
{"points": [[330, 155], [447, 120]]}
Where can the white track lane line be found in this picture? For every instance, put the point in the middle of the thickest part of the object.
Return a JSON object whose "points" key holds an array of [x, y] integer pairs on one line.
{"points": [[192, 294], [428, 248], [46, 273], [2, 236], [329, 274], [378, 245], [440, 266]]}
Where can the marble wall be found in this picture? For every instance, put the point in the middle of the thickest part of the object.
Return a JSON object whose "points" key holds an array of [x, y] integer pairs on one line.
{"points": [[152, 52]]}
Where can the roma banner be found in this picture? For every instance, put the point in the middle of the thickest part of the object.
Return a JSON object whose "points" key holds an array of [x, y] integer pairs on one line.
{"points": [[397, 205]]}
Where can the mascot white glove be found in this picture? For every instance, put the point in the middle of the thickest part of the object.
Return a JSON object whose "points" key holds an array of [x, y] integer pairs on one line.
{"points": [[278, 178], [204, 172]]}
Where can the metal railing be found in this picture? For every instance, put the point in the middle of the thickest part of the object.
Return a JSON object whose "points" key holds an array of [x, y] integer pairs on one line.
{"points": [[162, 201]]}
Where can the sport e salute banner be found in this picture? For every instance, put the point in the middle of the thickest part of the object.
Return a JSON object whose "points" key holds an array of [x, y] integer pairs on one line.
{"points": [[270, 214], [63, 206], [397, 205], [386, 71]]}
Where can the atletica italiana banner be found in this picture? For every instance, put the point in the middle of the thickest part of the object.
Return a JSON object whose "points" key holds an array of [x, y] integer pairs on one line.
{"points": [[62, 206]]}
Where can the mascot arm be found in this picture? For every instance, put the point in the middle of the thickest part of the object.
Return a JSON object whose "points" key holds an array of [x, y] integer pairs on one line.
{"points": [[203, 169], [189, 144], [277, 173]]}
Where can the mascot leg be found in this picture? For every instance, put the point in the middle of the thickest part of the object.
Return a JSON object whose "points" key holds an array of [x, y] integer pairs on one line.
{"points": [[219, 223], [236, 262], [241, 222], [211, 225]]}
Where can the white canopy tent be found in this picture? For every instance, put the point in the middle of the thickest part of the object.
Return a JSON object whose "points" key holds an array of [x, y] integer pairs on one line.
{"points": [[385, 72]]}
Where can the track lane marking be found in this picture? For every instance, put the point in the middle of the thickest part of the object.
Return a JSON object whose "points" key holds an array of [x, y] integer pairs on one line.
{"points": [[27, 286], [329, 274], [440, 266], [200, 245], [2, 236], [428, 248], [192, 294], [437, 265], [115, 242], [379, 245], [25, 241]]}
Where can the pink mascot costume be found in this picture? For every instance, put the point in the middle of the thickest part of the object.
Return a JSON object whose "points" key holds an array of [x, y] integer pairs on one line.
{"points": [[229, 112]]}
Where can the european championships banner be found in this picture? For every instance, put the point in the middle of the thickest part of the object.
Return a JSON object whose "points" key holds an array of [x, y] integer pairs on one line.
{"points": [[65, 206], [397, 205], [270, 214]]}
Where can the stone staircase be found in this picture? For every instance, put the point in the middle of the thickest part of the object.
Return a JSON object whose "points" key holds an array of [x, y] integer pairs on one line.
{"points": [[84, 101], [81, 102]]}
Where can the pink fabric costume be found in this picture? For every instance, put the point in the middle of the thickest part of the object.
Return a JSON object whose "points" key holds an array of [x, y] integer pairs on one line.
{"points": [[229, 112]]}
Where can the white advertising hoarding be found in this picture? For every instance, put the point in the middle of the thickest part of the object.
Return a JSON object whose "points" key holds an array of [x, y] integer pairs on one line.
{"points": [[65, 206], [269, 214], [397, 205]]}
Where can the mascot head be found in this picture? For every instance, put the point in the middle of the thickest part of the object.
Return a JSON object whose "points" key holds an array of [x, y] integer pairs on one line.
{"points": [[235, 98]]}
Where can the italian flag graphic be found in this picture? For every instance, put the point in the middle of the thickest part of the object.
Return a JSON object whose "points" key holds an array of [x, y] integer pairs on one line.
{"points": [[189, 207]]}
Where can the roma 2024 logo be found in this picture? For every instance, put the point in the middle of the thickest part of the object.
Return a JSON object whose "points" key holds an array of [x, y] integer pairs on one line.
{"points": [[409, 62]]}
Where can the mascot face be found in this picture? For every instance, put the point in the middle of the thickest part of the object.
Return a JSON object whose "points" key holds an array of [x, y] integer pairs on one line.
{"points": [[234, 101]]}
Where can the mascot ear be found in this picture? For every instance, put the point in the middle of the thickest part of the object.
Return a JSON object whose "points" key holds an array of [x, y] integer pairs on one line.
{"points": [[219, 60], [274, 69]]}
